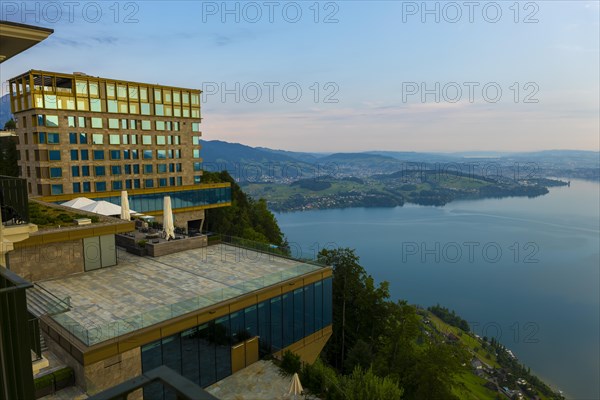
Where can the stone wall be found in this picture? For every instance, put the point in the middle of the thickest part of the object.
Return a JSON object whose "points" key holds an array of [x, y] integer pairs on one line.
{"points": [[113, 371], [104, 374], [48, 261], [175, 246]]}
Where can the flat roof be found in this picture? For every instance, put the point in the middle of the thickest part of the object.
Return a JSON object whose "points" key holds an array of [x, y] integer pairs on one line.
{"points": [[143, 291]]}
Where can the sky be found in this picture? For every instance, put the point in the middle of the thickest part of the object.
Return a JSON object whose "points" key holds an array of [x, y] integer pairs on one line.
{"points": [[346, 75]]}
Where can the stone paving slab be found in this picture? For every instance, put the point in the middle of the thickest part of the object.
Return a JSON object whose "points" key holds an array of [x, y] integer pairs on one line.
{"points": [[259, 381], [145, 288]]}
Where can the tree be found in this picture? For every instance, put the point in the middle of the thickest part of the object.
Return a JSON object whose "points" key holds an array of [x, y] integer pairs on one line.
{"points": [[10, 125], [245, 218], [359, 308], [365, 385]]}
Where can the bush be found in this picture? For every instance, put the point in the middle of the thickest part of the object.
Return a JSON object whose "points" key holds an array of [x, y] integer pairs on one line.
{"points": [[142, 243], [291, 363], [365, 385], [43, 381], [321, 380], [63, 374]]}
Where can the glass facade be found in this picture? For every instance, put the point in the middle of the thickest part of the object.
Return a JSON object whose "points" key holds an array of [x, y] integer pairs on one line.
{"points": [[188, 198], [203, 353]]}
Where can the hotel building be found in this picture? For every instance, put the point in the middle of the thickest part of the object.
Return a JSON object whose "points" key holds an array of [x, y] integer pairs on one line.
{"points": [[94, 137]]}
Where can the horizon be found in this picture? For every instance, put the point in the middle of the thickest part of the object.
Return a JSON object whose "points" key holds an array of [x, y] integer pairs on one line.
{"points": [[407, 151], [451, 80]]}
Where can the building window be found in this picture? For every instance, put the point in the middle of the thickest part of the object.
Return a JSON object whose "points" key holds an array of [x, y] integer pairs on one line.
{"points": [[115, 154], [86, 187], [148, 168], [196, 140], [71, 122], [117, 185], [197, 166], [100, 186], [195, 126], [56, 172], [85, 170], [149, 183], [98, 154], [160, 140], [112, 106], [196, 153], [81, 122], [161, 168], [145, 109], [39, 137], [53, 138], [85, 155], [113, 123], [135, 155], [83, 138], [160, 125], [128, 169], [98, 138], [73, 137], [197, 179], [162, 182], [126, 154], [161, 154], [76, 187], [172, 181], [136, 184], [115, 170], [56, 189], [97, 123], [147, 154], [99, 170], [146, 139], [74, 155], [75, 171], [125, 138], [52, 120], [146, 125], [128, 184], [54, 155]]}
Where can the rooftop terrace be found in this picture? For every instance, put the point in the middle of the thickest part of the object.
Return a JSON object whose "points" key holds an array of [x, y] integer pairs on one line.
{"points": [[141, 291]]}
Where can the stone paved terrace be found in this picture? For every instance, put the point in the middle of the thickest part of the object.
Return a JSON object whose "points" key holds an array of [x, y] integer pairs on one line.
{"points": [[142, 291]]}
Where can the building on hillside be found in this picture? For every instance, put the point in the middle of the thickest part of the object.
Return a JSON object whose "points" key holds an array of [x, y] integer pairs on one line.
{"points": [[89, 136]]}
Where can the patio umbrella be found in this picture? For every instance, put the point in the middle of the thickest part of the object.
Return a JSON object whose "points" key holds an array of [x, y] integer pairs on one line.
{"points": [[295, 387], [168, 219], [125, 212]]}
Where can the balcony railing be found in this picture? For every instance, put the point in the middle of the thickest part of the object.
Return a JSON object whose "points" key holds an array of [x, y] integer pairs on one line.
{"points": [[14, 200]]}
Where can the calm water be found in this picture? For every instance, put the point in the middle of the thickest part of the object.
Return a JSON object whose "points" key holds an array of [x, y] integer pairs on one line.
{"points": [[523, 270]]}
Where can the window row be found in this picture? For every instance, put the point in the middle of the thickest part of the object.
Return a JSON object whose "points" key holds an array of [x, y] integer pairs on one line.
{"points": [[86, 187], [134, 154], [127, 169], [203, 353], [65, 101], [180, 199]]}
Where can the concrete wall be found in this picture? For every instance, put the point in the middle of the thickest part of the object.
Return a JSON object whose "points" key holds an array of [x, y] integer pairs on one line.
{"points": [[48, 261]]}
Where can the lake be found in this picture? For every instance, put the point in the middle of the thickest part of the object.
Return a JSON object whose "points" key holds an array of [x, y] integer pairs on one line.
{"points": [[525, 271]]}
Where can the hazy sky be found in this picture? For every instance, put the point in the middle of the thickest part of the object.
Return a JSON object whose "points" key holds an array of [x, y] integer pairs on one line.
{"points": [[346, 75]]}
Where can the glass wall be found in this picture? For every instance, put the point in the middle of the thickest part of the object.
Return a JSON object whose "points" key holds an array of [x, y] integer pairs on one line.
{"points": [[203, 354], [189, 198]]}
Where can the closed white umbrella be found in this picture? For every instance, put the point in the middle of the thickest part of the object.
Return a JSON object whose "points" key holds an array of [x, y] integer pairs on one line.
{"points": [[168, 226], [295, 387], [125, 212]]}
